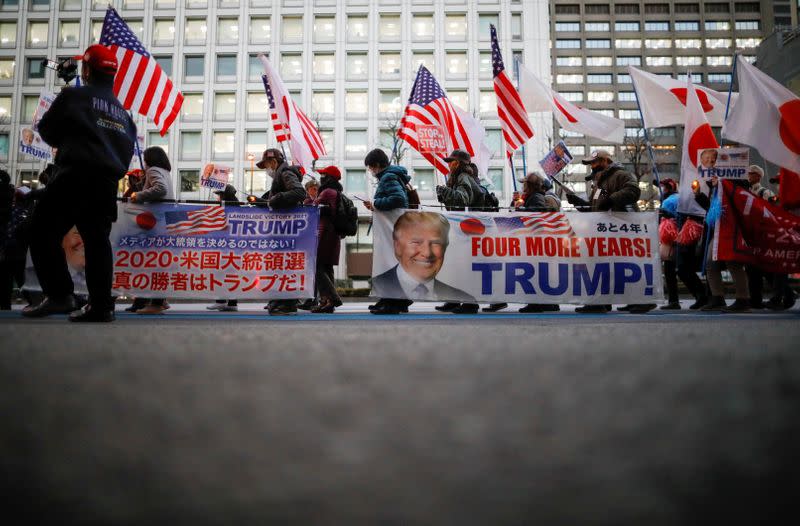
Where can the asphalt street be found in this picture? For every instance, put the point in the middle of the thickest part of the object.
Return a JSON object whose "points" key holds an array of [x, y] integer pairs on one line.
{"points": [[218, 418]]}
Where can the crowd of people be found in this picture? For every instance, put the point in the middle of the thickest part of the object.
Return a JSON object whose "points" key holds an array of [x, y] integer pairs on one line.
{"points": [[94, 139]]}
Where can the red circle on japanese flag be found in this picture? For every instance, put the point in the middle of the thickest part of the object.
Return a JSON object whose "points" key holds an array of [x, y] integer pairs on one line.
{"points": [[790, 125], [680, 94], [146, 220], [701, 139], [472, 226]]}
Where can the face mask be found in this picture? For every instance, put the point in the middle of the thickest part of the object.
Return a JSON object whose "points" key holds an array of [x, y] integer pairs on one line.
{"points": [[270, 172]]}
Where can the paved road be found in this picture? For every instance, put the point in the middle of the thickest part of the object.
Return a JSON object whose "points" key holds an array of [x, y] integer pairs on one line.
{"points": [[495, 419]]}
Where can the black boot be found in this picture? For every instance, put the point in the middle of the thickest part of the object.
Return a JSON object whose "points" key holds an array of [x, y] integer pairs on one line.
{"points": [[448, 307], [740, 305], [50, 306], [717, 303], [89, 315]]}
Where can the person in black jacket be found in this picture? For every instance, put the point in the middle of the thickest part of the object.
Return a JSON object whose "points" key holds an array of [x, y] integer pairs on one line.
{"points": [[95, 137], [285, 192]]}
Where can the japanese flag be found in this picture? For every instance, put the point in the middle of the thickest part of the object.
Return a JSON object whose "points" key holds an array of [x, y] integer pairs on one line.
{"points": [[537, 96], [663, 100], [766, 116], [697, 136]]}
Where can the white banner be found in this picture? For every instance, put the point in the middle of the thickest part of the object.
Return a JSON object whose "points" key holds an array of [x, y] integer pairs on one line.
{"points": [[30, 142], [548, 257]]}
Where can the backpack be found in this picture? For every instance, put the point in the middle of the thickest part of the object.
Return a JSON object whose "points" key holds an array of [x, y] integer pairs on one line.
{"points": [[490, 201], [345, 223], [413, 196]]}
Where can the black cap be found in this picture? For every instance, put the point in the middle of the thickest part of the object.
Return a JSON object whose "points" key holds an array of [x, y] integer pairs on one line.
{"points": [[228, 193], [270, 153], [459, 155]]}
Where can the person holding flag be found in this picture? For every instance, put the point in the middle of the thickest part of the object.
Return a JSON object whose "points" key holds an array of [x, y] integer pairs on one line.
{"points": [[95, 138]]}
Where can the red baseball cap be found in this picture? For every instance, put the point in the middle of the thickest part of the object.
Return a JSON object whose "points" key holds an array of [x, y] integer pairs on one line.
{"points": [[100, 58], [331, 171]]}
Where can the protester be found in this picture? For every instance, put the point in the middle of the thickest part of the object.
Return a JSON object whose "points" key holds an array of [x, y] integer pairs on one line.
{"points": [[329, 242], [312, 190], [460, 191], [714, 267], [285, 192], [389, 195], [135, 182], [783, 297], [6, 240], [535, 198], [226, 196], [677, 248], [95, 139], [156, 186], [613, 188], [756, 276]]}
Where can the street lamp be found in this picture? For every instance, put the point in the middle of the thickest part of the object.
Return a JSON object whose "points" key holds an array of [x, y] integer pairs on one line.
{"points": [[251, 158]]}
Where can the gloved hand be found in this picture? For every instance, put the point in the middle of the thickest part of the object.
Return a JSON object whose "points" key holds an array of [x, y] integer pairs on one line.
{"points": [[605, 203]]}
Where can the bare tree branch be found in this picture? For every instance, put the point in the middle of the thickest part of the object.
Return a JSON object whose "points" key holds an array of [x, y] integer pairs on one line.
{"points": [[391, 125]]}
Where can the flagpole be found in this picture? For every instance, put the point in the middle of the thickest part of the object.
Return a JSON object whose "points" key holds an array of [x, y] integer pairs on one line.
{"points": [[648, 144], [513, 175], [730, 87], [524, 156]]}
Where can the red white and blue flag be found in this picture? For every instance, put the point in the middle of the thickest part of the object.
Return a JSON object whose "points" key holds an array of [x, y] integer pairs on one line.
{"points": [[140, 84], [281, 133], [289, 121], [429, 106], [513, 118], [548, 223], [196, 222]]}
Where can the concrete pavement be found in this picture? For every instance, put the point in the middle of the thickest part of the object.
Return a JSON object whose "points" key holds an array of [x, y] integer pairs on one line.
{"points": [[350, 418]]}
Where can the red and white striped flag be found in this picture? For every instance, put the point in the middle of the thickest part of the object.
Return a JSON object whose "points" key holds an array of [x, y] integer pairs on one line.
{"points": [[281, 133], [513, 118], [429, 109], [305, 142], [140, 84]]}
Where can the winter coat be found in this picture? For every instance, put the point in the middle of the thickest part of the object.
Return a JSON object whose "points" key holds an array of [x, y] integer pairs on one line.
{"points": [[157, 185], [552, 201], [95, 137], [534, 202], [391, 191], [329, 242], [286, 190], [461, 191], [618, 185]]}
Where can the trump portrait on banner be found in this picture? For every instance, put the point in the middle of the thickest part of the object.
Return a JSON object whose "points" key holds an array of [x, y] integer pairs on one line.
{"points": [[420, 241]]}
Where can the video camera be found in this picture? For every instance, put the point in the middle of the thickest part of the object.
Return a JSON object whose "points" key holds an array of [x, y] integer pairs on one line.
{"points": [[66, 69]]}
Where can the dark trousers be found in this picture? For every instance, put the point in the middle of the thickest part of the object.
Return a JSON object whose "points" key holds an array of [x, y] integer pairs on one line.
{"points": [[755, 280], [671, 281], [326, 284], [51, 221], [10, 271]]}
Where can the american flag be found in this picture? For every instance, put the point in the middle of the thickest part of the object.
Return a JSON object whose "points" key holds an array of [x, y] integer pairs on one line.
{"points": [[428, 105], [305, 142], [546, 223], [513, 118], [196, 222], [140, 84], [281, 133]]}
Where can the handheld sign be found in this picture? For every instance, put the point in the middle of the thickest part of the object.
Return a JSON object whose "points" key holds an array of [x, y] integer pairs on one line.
{"points": [[556, 160], [431, 139], [215, 176]]}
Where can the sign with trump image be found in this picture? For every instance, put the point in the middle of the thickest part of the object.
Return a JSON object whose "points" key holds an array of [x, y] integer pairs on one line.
{"points": [[525, 257]]}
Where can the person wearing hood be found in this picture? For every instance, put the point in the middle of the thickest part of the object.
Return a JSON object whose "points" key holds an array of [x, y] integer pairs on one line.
{"points": [[329, 241], [461, 191], [156, 186], [389, 195], [227, 197], [285, 192]]}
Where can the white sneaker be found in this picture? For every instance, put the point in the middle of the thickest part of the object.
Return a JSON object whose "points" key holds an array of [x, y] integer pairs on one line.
{"points": [[216, 306]]}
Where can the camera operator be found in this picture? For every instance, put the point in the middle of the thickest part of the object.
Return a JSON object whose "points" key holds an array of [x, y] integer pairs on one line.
{"points": [[95, 139]]}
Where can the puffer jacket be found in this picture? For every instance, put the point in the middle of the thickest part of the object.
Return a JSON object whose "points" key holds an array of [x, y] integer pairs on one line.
{"points": [[391, 191], [329, 242], [618, 185], [286, 190], [157, 185]]}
